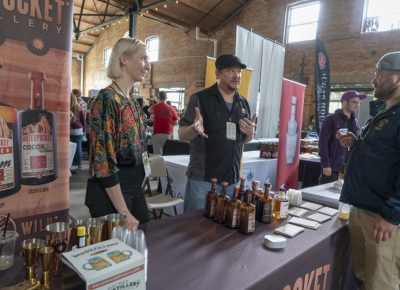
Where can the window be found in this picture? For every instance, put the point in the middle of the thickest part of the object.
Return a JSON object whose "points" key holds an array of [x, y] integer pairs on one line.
{"points": [[302, 21], [381, 15], [334, 101], [106, 56], [152, 44], [175, 96]]}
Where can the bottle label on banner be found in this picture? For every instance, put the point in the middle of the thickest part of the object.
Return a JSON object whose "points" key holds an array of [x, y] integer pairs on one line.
{"points": [[231, 131], [7, 176], [146, 164]]}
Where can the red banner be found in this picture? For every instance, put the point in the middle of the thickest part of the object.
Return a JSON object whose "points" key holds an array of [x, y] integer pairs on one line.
{"points": [[35, 83], [290, 122]]}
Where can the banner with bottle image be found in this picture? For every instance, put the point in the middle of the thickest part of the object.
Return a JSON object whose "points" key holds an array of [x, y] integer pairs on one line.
{"points": [[35, 57], [291, 118]]}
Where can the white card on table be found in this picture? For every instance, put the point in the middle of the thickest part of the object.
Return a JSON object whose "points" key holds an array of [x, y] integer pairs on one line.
{"points": [[230, 131], [146, 164], [296, 211], [311, 205], [328, 211], [289, 230], [305, 223], [318, 217]]}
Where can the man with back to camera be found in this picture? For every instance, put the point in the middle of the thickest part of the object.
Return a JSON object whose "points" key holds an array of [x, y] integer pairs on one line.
{"points": [[372, 185], [164, 119], [216, 122], [332, 154]]}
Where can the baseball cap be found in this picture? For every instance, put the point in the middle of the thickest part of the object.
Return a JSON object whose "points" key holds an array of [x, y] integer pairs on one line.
{"points": [[352, 94], [390, 61], [228, 60]]}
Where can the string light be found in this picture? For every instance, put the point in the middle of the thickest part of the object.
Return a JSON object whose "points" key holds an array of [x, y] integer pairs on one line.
{"points": [[156, 8], [147, 11], [165, 5], [177, 2]]}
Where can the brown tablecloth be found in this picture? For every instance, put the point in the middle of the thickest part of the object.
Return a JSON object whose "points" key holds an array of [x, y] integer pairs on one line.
{"points": [[191, 252]]}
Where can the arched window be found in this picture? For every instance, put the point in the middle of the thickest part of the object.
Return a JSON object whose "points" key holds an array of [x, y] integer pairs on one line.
{"points": [[152, 44]]}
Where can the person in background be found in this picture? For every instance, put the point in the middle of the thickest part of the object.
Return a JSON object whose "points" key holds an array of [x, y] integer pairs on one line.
{"points": [[80, 100], [332, 154], [77, 125], [164, 119], [372, 185], [150, 102], [117, 133], [217, 124], [311, 127]]}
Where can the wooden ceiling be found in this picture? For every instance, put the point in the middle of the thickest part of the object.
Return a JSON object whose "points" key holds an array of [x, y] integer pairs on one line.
{"points": [[92, 17]]}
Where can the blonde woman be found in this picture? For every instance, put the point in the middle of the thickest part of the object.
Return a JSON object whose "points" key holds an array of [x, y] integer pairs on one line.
{"points": [[117, 135], [77, 125]]}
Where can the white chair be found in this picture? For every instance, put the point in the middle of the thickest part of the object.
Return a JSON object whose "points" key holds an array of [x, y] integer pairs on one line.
{"points": [[158, 200]]}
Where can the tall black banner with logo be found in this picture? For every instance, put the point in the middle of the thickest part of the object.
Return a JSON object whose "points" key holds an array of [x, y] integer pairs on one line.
{"points": [[322, 83]]}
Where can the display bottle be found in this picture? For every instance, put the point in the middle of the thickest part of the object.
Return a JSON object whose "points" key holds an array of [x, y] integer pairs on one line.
{"points": [[281, 204], [232, 216], [256, 195], [38, 138], [221, 204], [292, 136], [265, 205], [209, 207], [241, 189], [247, 224], [342, 174], [9, 152], [80, 236]]}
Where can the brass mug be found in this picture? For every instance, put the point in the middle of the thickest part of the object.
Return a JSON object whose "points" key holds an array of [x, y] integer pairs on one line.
{"points": [[112, 221], [58, 236], [46, 256], [94, 229]]}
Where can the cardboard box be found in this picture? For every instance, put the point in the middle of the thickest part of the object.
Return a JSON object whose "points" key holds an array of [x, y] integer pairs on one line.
{"points": [[109, 265]]}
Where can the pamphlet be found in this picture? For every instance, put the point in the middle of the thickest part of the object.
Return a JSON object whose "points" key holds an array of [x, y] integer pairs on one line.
{"points": [[328, 211], [311, 205], [296, 211], [289, 230], [319, 217], [305, 223]]}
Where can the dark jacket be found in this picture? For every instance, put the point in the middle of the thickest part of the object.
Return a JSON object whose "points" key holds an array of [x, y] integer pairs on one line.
{"points": [[331, 152], [372, 180], [215, 156]]}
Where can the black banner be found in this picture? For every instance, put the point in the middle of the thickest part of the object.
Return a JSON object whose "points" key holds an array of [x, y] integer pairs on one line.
{"points": [[322, 83]]}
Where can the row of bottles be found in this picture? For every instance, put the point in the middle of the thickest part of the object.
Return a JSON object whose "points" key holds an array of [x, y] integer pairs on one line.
{"points": [[27, 142], [246, 205]]}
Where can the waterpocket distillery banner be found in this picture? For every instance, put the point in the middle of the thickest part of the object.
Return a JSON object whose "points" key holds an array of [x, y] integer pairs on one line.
{"points": [[291, 119], [322, 83], [35, 56]]}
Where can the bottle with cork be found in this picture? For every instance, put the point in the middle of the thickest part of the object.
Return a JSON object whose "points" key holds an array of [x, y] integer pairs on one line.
{"points": [[221, 204], [209, 207], [232, 216], [247, 224], [281, 204], [265, 205]]}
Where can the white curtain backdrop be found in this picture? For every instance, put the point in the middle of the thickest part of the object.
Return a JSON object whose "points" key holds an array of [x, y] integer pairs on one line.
{"points": [[266, 58]]}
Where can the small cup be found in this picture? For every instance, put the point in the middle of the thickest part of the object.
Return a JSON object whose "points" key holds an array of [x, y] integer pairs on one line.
{"points": [[344, 211], [120, 233], [7, 248], [114, 220], [136, 240], [94, 228], [343, 131]]}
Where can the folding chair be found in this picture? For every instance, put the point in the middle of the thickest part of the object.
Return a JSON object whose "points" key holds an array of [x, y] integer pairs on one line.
{"points": [[158, 200]]}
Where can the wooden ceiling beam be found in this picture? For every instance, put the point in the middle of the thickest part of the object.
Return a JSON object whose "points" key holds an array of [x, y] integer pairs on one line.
{"points": [[200, 11], [168, 18]]}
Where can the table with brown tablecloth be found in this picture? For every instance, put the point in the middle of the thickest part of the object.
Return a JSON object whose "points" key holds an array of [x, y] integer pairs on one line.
{"points": [[191, 252]]}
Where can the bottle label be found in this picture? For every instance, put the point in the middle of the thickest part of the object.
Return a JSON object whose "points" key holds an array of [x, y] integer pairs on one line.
{"points": [[267, 212], [212, 208], [37, 150], [235, 218], [284, 208], [252, 222], [7, 175]]}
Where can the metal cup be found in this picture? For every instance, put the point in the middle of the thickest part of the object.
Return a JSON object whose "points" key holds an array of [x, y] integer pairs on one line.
{"points": [[29, 251], [114, 220], [58, 236], [94, 229], [46, 254]]}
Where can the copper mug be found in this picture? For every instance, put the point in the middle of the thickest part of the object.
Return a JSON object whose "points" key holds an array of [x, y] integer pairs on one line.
{"points": [[94, 229], [58, 236]]}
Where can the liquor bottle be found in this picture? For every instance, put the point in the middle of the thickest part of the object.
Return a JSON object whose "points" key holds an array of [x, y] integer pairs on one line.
{"points": [[221, 204], [281, 204], [241, 190], [256, 196], [38, 138], [81, 237], [209, 207], [291, 136], [342, 174], [232, 214], [265, 204], [247, 224], [9, 153]]}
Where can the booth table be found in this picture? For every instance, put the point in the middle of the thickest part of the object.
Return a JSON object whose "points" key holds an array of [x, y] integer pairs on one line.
{"points": [[253, 167], [309, 169], [191, 252]]}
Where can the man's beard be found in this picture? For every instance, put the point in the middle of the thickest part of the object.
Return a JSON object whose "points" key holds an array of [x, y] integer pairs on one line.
{"points": [[384, 94]]}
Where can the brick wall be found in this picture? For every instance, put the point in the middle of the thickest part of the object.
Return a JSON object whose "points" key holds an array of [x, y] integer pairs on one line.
{"points": [[182, 59]]}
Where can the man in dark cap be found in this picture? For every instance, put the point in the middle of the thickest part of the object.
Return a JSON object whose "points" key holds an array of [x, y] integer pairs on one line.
{"points": [[332, 154], [217, 124], [372, 185]]}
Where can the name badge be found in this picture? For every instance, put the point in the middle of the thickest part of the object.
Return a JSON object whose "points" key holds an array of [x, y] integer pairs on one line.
{"points": [[231, 131], [146, 164]]}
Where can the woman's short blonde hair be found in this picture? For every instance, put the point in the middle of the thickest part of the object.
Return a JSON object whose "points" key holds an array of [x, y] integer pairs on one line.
{"points": [[124, 46]]}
